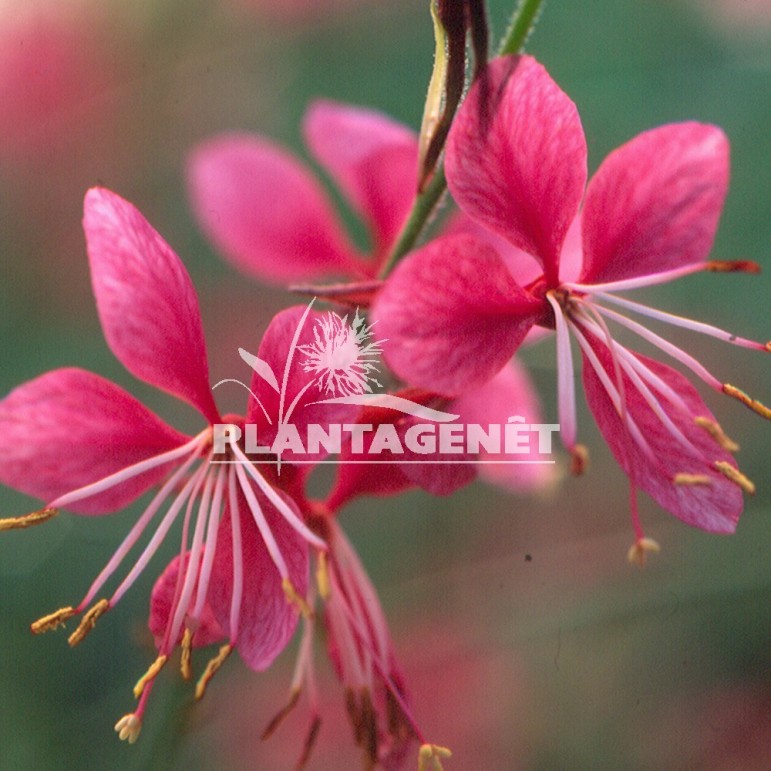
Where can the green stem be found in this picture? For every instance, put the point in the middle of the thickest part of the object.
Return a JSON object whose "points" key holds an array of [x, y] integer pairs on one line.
{"points": [[522, 23], [424, 204]]}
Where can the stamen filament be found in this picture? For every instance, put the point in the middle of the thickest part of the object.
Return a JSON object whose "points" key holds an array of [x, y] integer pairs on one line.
{"points": [[238, 566], [669, 348], [130, 472], [183, 602], [613, 394], [210, 547], [681, 321], [280, 504], [665, 276], [136, 531], [28, 520], [566, 389], [262, 524], [159, 534]]}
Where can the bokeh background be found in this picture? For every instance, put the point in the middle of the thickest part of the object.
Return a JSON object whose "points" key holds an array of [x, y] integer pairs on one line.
{"points": [[528, 641]]}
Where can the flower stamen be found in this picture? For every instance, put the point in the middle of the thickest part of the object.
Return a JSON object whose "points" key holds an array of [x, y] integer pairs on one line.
{"points": [[52, 620], [747, 400], [151, 674], [295, 598], [88, 622], [734, 475], [28, 520], [684, 478], [186, 655], [212, 668], [717, 433]]}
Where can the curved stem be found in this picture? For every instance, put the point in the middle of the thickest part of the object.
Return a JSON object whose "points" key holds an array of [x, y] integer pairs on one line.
{"points": [[521, 25]]}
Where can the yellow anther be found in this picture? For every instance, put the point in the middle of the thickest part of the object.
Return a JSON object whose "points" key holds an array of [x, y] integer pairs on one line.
{"points": [[52, 620], [88, 622], [185, 667], [734, 475], [432, 752], [640, 549], [691, 479], [151, 673], [211, 669], [579, 460], [296, 599], [128, 728], [748, 401], [767, 346], [716, 432], [322, 575], [28, 520]]}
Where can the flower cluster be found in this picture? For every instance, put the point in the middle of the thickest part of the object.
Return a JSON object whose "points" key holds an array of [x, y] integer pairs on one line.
{"points": [[533, 249]]}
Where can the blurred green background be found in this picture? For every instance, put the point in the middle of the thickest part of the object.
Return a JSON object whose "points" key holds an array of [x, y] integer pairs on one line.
{"points": [[527, 640]]}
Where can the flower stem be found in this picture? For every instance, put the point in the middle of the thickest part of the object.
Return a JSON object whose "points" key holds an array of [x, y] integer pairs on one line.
{"points": [[522, 23], [520, 27]]}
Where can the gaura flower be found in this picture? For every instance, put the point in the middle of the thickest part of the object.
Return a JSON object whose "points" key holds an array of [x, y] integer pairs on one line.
{"points": [[360, 648], [270, 217], [82, 443], [455, 310]]}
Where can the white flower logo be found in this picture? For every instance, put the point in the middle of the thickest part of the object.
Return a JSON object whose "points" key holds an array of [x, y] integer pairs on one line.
{"points": [[343, 355]]}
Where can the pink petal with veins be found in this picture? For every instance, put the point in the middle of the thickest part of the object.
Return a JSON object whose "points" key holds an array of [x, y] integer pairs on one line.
{"points": [[511, 393], [372, 158], [69, 428], [267, 620], [516, 158], [146, 301], [452, 315], [264, 211], [162, 597], [714, 506], [654, 203]]}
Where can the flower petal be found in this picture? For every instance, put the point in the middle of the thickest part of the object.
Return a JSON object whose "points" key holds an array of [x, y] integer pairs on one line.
{"points": [[516, 158], [266, 620], [208, 630], [452, 315], [511, 393], [263, 210], [654, 203], [69, 428], [715, 504], [372, 158], [146, 301]]}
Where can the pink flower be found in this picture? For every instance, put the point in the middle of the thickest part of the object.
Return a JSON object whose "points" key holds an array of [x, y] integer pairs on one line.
{"points": [[360, 648], [82, 443], [270, 217], [455, 311]]}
